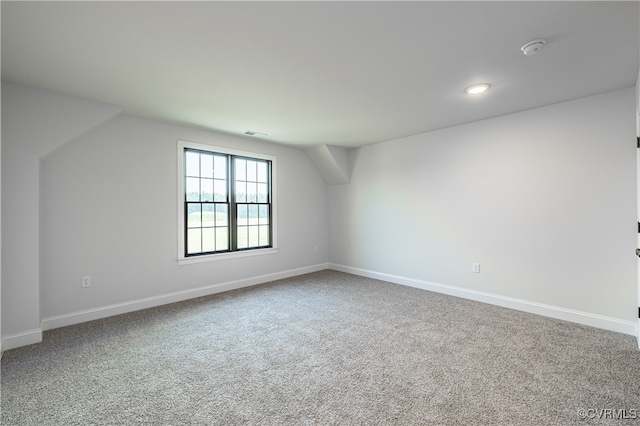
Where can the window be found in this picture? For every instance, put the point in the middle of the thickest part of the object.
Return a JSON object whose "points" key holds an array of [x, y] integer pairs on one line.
{"points": [[225, 201]]}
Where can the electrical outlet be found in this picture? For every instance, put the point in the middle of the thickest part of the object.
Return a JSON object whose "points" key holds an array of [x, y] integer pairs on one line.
{"points": [[476, 268], [86, 281]]}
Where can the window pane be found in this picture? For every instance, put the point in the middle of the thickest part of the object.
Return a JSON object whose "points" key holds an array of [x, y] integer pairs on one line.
{"points": [[206, 165], [220, 190], [193, 215], [252, 190], [192, 163], [242, 214], [222, 239], [252, 211], [192, 190], [263, 215], [208, 239], [207, 215], [242, 237], [194, 241], [241, 166], [253, 236], [222, 215], [264, 235], [251, 171], [262, 193], [262, 172], [241, 192], [220, 167], [206, 189]]}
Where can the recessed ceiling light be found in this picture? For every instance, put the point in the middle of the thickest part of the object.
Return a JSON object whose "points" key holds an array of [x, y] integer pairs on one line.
{"points": [[477, 88]]}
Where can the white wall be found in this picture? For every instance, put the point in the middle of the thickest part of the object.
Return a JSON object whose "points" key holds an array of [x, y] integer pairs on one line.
{"points": [[95, 195], [544, 200], [638, 96], [638, 198], [1, 349], [34, 124], [110, 211]]}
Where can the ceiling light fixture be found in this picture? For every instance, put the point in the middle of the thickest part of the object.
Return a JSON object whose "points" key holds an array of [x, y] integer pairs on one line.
{"points": [[477, 88]]}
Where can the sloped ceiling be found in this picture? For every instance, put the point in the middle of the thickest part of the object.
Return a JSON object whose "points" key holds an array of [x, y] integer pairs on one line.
{"points": [[312, 73]]}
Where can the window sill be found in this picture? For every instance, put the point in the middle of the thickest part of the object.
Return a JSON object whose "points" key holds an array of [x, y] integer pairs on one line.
{"points": [[225, 256]]}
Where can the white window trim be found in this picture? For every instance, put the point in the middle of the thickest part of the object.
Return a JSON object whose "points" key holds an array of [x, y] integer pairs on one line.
{"points": [[182, 259]]}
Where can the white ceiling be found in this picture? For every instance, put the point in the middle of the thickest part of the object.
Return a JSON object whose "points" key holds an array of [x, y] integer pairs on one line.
{"points": [[310, 73]]}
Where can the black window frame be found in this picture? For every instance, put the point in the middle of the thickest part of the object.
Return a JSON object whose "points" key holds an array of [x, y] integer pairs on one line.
{"points": [[232, 203]]}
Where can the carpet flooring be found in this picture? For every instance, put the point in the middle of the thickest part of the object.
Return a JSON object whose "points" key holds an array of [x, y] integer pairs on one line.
{"points": [[326, 348]]}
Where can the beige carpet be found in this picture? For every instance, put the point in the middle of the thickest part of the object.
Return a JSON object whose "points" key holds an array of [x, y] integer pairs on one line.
{"points": [[324, 348]]}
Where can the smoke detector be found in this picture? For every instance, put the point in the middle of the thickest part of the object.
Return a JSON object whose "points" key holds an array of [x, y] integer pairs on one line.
{"points": [[533, 47]]}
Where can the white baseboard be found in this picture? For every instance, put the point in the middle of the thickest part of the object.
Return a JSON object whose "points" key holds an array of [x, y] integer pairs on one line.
{"points": [[150, 302], [24, 338], [594, 320], [585, 318]]}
